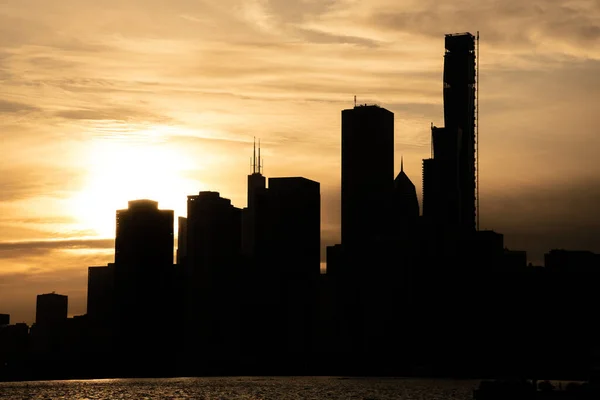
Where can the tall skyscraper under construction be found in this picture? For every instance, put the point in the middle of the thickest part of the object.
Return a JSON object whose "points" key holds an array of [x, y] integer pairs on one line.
{"points": [[460, 77], [450, 176]]}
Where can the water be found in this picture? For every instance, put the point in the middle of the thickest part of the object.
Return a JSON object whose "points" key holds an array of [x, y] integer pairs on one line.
{"points": [[247, 388]]}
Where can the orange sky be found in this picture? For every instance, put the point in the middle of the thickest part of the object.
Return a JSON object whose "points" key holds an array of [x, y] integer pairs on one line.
{"points": [[104, 102]]}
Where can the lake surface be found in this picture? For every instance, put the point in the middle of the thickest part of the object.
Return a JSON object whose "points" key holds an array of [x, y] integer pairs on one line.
{"points": [[248, 388]]}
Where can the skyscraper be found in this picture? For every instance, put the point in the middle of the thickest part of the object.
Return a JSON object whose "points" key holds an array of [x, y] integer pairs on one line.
{"points": [[459, 114], [449, 177], [144, 238], [143, 267], [289, 276], [213, 233], [367, 173], [252, 227], [211, 267], [405, 204], [441, 190], [181, 240], [51, 308], [295, 224], [100, 300]]}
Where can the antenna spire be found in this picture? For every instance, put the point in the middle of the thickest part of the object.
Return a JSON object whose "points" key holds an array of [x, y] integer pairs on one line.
{"points": [[259, 161], [401, 163], [354, 100]]}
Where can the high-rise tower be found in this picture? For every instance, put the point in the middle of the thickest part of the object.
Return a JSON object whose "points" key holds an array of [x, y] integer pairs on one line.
{"points": [[143, 263], [252, 230], [51, 308], [441, 190], [213, 235], [367, 173], [405, 203], [295, 225], [256, 180], [460, 78], [144, 237]]}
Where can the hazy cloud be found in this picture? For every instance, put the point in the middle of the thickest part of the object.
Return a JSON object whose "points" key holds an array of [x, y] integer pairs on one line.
{"points": [[22, 182], [14, 107], [58, 244], [112, 114]]}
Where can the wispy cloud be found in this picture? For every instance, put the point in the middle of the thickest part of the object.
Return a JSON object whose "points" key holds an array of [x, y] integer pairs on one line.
{"points": [[57, 244], [15, 107]]}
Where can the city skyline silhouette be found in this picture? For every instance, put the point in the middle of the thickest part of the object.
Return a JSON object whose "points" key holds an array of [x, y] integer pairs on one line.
{"points": [[409, 289]]}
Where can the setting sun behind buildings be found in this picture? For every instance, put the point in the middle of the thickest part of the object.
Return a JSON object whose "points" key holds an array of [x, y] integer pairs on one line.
{"points": [[120, 170]]}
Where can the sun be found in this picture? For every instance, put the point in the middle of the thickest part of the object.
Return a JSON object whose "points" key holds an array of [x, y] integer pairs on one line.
{"points": [[123, 170]]}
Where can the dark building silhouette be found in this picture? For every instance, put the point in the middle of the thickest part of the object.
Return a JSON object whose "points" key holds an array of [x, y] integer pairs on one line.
{"points": [[334, 260], [484, 249], [441, 191], [515, 259], [144, 237], [460, 79], [100, 294], [47, 335], [181, 240], [101, 315], [449, 176], [295, 228], [403, 294], [254, 215], [14, 350], [572, 261], [51, 309], [213, 257], [213, 233], [295, 256], [143, 259], [367, 173], [143, 272], [405, 204]]}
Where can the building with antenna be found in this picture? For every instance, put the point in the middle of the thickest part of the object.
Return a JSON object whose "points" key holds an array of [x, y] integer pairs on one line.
{"points": [[252, 230], [367, 173], [256, 180]]}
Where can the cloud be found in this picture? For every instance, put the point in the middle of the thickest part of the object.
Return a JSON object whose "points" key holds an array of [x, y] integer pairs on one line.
{"points": [[510, 29], [23, 182], [9, 107], [112, 114], [50, 245]]}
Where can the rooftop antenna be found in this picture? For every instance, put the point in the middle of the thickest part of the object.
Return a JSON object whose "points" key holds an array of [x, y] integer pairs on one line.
{"points": [[354, 100], [401, 163], [259, 161]]}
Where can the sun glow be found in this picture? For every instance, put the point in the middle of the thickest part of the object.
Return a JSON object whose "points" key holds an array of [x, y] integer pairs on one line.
{"points": [[123, 170]]}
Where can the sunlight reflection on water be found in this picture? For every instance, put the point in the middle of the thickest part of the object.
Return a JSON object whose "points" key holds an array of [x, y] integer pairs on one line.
{"points": [[247, 388]]}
